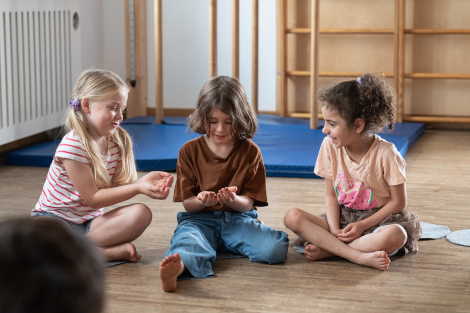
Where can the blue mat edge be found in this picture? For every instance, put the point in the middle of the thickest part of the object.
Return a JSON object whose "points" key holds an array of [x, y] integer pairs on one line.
{"points": [[17, 158]]}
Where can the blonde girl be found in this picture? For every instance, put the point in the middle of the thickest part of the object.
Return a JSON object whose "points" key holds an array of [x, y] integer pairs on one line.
{"points": [[367, 218], [94, 167]]}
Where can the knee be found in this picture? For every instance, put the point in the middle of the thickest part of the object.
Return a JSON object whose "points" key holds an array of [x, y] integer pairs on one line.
{"points": [[396, 237], [142, 215], [292, 219], [186, 234]]}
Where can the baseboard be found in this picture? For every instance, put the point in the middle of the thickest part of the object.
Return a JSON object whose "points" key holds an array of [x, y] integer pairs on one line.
{"points": [[171, 112], [187, 112]]}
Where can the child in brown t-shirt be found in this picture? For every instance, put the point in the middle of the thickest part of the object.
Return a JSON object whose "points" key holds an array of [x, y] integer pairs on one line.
{"points": [[220, 180], [367, 218]]}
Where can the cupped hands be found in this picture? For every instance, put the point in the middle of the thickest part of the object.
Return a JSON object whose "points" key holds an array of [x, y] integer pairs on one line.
{"points": [[156, 185], [224, 196]]}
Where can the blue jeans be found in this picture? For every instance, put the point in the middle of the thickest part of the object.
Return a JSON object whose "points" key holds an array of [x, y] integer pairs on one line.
{"points": [[199, 235]]}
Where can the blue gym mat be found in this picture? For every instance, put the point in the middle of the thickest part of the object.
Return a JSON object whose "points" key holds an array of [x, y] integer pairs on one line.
{"points": [[289, 150], [411, 131]]}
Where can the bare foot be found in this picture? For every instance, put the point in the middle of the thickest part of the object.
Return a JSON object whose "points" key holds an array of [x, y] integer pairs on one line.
{"points": [[170, 268], [125, 251], [314, 253], [378, 259]]}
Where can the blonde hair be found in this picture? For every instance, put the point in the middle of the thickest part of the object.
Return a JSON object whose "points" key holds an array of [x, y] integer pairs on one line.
{"points": [[96, 84], [227, 94]]}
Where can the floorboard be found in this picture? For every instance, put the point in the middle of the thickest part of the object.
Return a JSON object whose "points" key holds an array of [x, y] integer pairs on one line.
{"points": [[436, 279]]}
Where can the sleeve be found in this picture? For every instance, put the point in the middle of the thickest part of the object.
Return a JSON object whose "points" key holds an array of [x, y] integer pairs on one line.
{"points": [[254, 184], [71, 148], [393, 166], [323, 165], [186, 181]]}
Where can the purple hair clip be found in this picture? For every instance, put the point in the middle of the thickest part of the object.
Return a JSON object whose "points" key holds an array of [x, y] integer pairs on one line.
{"points": [[359, 80], [75, 103]]}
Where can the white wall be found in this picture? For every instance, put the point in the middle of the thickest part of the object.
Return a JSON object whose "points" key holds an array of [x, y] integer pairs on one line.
{"points": [[102, 26], [186, 50], [185, 46]]}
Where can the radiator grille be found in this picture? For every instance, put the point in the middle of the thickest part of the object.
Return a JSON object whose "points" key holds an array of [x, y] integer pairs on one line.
{"points": [[38, 65]]}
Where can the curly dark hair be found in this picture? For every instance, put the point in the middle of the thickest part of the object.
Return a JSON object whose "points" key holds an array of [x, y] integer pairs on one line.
{"points": [[369, 97], [227, 94]]}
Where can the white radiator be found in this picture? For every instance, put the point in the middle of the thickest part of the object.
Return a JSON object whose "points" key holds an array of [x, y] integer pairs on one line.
{"points": [[40, 60]]}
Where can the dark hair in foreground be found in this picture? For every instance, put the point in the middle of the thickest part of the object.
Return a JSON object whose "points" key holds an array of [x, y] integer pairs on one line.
{"points": [[227, 94], [45, 267], [369, 97]]}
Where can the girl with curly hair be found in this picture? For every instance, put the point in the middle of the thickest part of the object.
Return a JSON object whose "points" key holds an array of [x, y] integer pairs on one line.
{"points": [[367, 218]]}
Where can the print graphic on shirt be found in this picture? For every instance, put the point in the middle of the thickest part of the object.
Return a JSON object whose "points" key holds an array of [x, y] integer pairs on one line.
{"points": [[353, 194]]}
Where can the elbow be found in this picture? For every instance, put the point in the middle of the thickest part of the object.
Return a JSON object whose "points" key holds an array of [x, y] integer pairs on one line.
{"points": [[399, 206], [403, 205], [92, 203], [94, 206]]}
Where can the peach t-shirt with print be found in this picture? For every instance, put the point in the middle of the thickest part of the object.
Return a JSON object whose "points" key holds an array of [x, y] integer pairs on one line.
{"points": [[362, 186]]}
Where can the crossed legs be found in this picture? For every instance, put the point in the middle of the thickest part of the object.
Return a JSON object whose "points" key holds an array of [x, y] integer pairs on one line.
{"points": [[369, 250], [114, 231]]}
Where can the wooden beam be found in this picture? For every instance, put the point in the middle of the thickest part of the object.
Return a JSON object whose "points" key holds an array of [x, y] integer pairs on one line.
{"points": [[236, 39], [254, 56], [158, 62], [400, 57], [437, 75], [438, 119], [281, 81], [314, 22], [171, 112], [137, 101], [437, 31], [340, 31], [212, 38], [303, 115], [330, 74]]}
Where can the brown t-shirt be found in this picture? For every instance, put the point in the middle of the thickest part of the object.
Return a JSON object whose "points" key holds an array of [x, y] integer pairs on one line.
{"points": [[199, 169]]}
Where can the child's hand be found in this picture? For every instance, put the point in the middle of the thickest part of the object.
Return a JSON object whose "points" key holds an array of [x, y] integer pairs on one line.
{"points": [[207, 198], [157, 185], [351, 232], [227, 195], [154, 177]]}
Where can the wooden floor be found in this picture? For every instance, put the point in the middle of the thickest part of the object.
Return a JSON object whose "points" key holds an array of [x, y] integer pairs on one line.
{"points": [[436, 279]]}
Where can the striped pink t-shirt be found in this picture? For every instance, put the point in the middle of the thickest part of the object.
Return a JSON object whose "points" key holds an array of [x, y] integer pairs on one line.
{"points": [[58, 195]]}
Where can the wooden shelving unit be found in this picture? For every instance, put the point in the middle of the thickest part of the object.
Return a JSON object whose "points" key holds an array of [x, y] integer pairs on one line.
{"points": [[402, 75], [398, 74]]}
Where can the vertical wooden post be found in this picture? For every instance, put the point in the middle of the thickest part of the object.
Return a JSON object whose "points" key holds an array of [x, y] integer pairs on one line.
{"points": [[254, 57], [399, 72], [212, 38], [158, 62], [281, 94], [236, 38], [315, 22], [138, 95]]}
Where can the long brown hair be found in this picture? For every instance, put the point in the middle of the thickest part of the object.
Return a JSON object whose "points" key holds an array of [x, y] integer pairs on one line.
{"points": [[96, 84], [227, 94]]}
